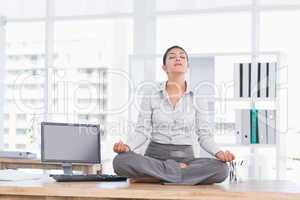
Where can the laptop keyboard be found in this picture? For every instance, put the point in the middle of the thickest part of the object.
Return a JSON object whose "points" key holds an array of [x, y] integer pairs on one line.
{"points": [[88, 177]]}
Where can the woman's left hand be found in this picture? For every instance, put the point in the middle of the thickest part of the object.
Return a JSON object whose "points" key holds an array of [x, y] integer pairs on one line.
{"points": [[226, 156]]}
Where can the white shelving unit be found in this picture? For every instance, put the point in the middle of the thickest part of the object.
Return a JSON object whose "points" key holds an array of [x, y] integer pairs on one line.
{"points": [[278, 104]]}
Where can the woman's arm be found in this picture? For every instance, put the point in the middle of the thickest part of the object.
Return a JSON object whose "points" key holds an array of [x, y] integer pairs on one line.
{"points": [[205, 137], [143, 128], [204, 128]]}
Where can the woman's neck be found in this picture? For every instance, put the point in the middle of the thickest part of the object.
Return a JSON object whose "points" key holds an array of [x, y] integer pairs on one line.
{"points": [[176, 83]]}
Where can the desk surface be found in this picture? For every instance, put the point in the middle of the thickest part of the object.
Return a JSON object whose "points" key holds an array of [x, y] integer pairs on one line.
{"points": [[42, 189]]}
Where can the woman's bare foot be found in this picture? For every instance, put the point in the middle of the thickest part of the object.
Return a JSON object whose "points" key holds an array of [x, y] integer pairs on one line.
{"points": [[183, 165]]}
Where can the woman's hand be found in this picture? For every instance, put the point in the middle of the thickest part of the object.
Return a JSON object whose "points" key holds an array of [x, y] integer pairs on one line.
{"points": [[183, 165], [120, 147], [226, 156]]}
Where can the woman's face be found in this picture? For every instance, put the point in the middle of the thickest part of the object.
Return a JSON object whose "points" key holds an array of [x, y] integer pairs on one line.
{"points": [[176, 61]]}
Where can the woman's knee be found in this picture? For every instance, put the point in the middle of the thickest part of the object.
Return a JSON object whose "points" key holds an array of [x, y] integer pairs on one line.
{"points": [[121, 161], [222, 172]]}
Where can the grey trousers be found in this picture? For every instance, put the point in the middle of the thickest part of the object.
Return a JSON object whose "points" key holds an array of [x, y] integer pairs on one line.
{"points": [[161, 161]]}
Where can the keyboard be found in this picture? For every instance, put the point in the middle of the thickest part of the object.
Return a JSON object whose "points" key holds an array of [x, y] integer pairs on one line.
{"points": [[88, 177]]}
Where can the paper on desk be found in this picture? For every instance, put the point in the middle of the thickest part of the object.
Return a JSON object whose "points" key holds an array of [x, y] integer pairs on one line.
{"points": [[15, 175]]}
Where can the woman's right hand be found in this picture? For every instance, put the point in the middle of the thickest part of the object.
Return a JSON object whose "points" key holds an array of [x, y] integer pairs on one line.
{"points": [[120, 147]]}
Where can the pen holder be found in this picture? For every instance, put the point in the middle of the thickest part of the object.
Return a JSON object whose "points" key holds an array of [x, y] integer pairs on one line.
{"points": [[235, 168]]}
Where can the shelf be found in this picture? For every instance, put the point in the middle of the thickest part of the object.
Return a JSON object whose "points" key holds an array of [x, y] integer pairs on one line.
{"points": [[256, 100], [246, 104], [248, 145]]}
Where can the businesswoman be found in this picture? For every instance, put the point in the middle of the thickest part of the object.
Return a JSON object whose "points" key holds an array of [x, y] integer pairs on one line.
{"points": [[168, 119]]}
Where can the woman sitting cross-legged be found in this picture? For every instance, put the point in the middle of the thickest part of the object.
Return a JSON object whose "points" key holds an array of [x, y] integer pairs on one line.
{"points": [[168, 119]]}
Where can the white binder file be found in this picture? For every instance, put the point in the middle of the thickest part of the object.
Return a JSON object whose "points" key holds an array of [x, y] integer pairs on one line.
{"points": [[272, 79], [271, 128], [237, 81], [246, 78], [254, 81], [262, 126], [246, 126], [238, 126], [263, 80]]}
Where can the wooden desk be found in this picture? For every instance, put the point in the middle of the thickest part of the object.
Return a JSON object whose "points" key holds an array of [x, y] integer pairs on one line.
{"points": [[48, 189], [11, 163]]}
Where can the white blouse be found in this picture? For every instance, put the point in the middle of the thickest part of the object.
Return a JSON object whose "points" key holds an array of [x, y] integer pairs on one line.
{"points": [[158, 121]]}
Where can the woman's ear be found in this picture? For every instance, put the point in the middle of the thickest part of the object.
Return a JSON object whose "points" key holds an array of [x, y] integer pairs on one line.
{"points": [[164, 68]]}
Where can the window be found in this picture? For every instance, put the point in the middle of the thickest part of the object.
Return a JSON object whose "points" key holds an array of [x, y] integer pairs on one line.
{"points": [[85, 53], [17, 9], [279, 2], [175, 5], [24, 81], [91, 7], [205, 33]]}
